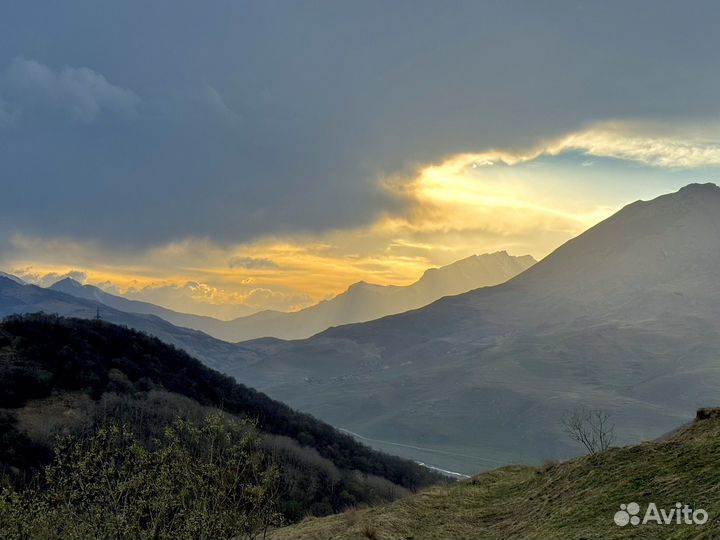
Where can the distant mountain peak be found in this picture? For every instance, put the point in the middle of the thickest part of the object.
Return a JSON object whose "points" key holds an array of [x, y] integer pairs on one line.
{"points": [[671, 239], [707, 187], [473, 260], [66, 282]]}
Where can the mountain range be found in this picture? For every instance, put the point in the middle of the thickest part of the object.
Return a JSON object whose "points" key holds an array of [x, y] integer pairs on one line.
{"points": [[362, 301], [622, 318], [16, 298]]}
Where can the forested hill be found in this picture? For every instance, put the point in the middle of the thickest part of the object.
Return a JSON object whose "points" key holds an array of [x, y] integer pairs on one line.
{"points": [[43, 356]]}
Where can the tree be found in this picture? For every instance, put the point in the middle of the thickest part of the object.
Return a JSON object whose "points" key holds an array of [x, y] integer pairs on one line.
{"points": [[591, 428]]}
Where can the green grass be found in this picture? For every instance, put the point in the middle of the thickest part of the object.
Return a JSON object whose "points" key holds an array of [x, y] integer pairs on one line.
{"points": [[574, 499]]}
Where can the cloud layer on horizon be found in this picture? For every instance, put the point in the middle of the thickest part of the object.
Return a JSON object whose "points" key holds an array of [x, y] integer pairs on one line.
{"points": [[523, 202]]}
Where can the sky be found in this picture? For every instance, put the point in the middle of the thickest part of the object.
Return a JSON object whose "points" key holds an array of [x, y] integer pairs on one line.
{"points": [[224, 157]]}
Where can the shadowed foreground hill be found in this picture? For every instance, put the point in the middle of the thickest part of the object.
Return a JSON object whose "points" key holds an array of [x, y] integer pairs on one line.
{"points": [[61, 375], [576, 499]]}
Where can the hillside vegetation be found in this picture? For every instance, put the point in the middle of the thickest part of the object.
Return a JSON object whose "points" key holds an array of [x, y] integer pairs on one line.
{"points": [[576, 499], [72, 377], [206, 480]]}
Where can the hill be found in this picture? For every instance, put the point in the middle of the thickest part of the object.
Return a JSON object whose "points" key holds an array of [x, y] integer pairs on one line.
{"points": [[12, 278], [90, 292], [18, 298], [576, 499], [361, 302], [60, 375], [622, 318]]}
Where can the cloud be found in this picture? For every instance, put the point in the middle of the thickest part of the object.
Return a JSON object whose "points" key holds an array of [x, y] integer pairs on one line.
{"points": [[217, 102], [251, 263], [524, 201], [80, 94], [47, 279], [678, 145], [654, 143], [7, 116], [269, 299], [336, 157], [292, 136], [206, 299]]}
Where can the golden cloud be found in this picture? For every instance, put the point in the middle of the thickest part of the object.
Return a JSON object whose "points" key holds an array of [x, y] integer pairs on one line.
{"points": [[469, 203]]}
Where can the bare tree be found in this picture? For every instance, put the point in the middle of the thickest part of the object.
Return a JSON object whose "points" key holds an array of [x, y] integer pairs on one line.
{"points": [[591, 428]]}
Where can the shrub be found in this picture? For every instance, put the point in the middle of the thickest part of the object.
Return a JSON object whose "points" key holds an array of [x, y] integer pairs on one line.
{"points": [[206, 480]]}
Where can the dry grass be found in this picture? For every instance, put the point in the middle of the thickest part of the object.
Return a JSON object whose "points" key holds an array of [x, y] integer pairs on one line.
{"points": [[44, 419], [575, 499]]}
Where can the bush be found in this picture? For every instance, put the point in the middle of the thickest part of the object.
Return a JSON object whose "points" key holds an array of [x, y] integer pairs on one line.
{"points": [[207, 480]]}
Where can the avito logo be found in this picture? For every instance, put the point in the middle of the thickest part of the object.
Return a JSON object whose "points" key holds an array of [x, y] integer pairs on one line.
{"points": [[629, 514]]}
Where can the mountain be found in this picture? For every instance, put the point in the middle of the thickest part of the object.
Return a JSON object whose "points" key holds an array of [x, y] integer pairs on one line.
{"points": [[361, 302], [18, 298], [624, 318], [366, 301], [60, 376], [209, 325], [11, 277], [464, 275], [576, 499]]}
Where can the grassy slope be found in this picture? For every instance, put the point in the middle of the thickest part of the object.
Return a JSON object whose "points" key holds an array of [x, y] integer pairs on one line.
{"points": [[573, 499]]}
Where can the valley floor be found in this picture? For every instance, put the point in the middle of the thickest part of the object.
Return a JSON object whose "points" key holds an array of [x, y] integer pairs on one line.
{"points": [[576, 499]]}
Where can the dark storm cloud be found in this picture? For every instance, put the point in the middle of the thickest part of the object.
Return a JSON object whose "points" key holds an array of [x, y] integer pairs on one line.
{"points": [[135, 123], [80, 94]]}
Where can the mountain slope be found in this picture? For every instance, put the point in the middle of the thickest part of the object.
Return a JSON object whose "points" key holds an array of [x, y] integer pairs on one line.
{"points": [[624, 318], [574, 499], [11, 277], [361, 302], [366, 301], [17, 298], [90, 292], [83, 368]]}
